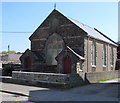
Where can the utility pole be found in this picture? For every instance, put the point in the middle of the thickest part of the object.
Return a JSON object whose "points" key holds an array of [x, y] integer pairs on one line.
{"points": [[8, 52], [8, 49]]}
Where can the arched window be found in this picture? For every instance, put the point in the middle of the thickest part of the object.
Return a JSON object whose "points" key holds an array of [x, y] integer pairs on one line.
{"points": [[93, 53], [54, 46], [112, 56], [104, 55]]}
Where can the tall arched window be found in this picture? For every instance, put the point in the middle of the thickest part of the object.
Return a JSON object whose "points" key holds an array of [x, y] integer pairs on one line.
{"points": [[104, 55], [112, 56], [54, 46], [93, 53]]}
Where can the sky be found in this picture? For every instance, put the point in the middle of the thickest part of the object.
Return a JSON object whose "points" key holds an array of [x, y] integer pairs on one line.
{"points": [[21, 19]]}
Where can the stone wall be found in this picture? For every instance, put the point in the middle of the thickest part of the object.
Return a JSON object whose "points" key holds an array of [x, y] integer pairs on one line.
{"points": [[66, 80], [59, 80], [44, 68], [69, 32], [50, 77], [117, 64], [96, 76]]}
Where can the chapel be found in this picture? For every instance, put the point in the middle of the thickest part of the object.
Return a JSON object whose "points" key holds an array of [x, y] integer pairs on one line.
{"points": [[64, 45]]}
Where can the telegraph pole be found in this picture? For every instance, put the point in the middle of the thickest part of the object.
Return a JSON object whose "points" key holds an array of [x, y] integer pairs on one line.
{"points": [[8, 52], [8, 49]]}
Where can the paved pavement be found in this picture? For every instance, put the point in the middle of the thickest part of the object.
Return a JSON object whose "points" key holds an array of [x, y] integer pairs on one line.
{"points": [[107, 91]]}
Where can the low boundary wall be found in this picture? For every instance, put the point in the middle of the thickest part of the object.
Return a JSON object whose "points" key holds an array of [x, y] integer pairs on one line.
{"points": [[117, 67], [96, 76], [59, 80], [53, 79]]}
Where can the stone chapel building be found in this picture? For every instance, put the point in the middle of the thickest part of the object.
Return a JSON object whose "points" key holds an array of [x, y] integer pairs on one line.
{"points": [[63, 45]]}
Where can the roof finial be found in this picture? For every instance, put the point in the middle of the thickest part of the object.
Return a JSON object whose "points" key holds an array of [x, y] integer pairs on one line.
{"points": [[55, 6]]}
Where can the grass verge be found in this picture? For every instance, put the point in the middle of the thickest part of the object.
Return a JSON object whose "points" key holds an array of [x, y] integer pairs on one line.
{"points": [[107, 79]]}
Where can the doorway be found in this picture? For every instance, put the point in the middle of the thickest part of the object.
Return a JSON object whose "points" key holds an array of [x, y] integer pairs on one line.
{"points": [[67, 64], [27, 63]]}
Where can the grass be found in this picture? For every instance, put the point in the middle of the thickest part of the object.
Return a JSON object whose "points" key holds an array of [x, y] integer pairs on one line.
{"points": [[107, 79]]}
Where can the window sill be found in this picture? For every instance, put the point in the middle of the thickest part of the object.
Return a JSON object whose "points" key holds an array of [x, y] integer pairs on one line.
{"points": [[94, 66], [80, 70], [104, 65]]}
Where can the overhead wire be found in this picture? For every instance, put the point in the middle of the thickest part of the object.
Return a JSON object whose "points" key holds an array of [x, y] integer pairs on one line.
{"points": [[13, 32]]}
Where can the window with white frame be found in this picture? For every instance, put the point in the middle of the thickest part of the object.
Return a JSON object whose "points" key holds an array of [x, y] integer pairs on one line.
{"points": [[104, 55], [93, 50], [112, 56]]}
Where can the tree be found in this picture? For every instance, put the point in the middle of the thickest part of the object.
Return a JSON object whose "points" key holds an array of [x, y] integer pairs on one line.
{"points": [[10, 52], [4, 52]]}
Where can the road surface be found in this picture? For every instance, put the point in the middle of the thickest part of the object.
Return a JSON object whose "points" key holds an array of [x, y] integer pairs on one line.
{"points": [[107, 91]]}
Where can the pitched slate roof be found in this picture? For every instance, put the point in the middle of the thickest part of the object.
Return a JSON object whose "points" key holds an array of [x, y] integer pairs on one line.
{"points": [[92, 32]]}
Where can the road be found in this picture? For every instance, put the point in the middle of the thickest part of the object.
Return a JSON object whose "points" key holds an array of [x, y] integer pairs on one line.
{"points": [[107, 91]]}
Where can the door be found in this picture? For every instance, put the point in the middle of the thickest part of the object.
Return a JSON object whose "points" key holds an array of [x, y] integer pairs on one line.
{"points": [[67, 65], [27, 63]]}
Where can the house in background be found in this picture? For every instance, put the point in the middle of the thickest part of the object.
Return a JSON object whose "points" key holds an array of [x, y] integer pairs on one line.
{"points": [[9, 63], [10, 58], [63, 45]]}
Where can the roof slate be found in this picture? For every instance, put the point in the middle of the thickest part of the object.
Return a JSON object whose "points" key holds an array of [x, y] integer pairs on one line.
{"points": [[91, 31]]}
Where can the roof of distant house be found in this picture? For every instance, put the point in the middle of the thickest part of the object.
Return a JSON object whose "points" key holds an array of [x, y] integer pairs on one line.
{"points": [[10, 57], [14, 57]]}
